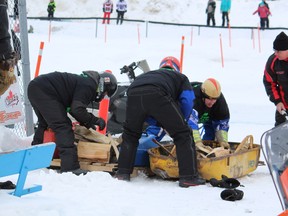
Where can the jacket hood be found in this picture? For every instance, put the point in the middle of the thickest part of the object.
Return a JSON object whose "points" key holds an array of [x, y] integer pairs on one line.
{"points": [[93, 75]]}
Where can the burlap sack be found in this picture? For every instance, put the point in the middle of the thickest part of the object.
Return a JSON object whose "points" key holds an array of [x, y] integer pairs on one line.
{"points": [[7, 77]]}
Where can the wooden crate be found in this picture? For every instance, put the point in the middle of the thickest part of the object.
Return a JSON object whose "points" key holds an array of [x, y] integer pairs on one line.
{"points": [[95, 152]]}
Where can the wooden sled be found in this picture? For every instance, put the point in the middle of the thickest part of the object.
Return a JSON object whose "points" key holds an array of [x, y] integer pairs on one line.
{"points": [[242, 160]]}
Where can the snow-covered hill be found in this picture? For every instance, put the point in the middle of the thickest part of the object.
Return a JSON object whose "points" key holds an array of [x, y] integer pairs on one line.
{"points": [[184, 11], [73, 47]]}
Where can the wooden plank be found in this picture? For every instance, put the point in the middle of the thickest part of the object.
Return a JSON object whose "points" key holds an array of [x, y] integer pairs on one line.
{"points": [[94, 151], [93, 167]]}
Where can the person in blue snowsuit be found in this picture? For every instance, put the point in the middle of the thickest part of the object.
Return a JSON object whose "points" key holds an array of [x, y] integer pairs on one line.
{"points": [[210, 109]]}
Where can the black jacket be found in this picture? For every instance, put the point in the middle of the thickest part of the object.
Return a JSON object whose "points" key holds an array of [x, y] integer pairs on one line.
{"points": [[275, 80], [219, 111], [71, 90], [172, 83]]}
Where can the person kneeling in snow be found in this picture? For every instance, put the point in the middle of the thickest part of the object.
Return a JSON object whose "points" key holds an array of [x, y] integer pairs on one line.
{"points": [[51, 95], [210, 109]]}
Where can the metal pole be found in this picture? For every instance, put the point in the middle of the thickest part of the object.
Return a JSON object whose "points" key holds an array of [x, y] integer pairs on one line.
{"points": [[96, 27], [25, 66], [146, 29]]}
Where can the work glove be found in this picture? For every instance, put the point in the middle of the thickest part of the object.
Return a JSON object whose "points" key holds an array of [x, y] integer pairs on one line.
{"points": [[199, 144], [101, 123], [97, 121], [203, 148], [222, 138]]}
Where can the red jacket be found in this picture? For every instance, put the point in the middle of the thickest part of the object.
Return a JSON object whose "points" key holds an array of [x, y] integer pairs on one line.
{"points": [[263, 11]]}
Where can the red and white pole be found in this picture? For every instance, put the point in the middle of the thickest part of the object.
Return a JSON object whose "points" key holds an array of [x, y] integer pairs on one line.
{"points": [[39, 59], [221, 51]]}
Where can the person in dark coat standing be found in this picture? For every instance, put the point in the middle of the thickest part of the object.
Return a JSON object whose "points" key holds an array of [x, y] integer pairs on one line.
{"points": [[210, 11], [275, 77], [52, 95], [166, 96]]}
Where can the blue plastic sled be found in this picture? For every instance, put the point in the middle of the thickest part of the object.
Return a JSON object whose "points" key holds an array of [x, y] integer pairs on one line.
{"points": [[25, 160]]}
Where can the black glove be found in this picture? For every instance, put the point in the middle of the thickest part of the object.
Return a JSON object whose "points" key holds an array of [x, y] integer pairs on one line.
{"points": [[101, 123], [117, 10], [112, 11], [103, 10]]}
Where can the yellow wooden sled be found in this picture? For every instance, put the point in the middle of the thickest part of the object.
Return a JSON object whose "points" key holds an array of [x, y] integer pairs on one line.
{"points": [[242, 160]]}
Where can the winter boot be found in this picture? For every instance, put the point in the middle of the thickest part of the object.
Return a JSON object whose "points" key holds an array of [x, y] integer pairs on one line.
{"points": [[232, 194], [122, 176], [225, 182], [191, 181], [8, 185], [79, 171]]}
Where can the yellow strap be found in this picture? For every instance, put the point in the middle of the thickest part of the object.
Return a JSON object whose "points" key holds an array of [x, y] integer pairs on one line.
{"points": [[196, 136]]}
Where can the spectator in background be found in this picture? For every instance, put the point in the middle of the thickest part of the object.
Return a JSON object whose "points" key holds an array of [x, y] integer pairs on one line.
{"points": [[225, 10], [51, 8], [210, 11], [107, 10], [263, 13], [121, 9], [267, 5]]}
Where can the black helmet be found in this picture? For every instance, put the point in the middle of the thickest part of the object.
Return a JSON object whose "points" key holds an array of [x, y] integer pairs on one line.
{"points": [[107, 83]]}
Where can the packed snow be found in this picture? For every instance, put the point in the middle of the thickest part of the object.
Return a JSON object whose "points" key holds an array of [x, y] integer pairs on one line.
{"points": [[74, 46]]}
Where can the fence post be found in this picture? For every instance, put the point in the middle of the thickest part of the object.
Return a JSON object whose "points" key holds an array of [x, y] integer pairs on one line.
{"points": [[96, 30], [146, 29], [25, 66]]}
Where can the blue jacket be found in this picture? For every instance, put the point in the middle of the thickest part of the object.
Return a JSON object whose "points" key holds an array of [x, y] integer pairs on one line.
{"points": [[225, 5]]}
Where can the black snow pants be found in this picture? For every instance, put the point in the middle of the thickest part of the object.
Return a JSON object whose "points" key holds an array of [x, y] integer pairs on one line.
{"points": [[152, 101], [52, 113]]}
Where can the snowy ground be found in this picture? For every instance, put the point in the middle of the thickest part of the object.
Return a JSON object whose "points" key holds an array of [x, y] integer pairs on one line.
{"points": [[73, 47]]}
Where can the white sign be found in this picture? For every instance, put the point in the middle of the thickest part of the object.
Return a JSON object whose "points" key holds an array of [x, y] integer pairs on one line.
{"points": [[11, 109]]}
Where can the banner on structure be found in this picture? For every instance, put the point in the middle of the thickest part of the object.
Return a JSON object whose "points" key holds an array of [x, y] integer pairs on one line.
{"points": [[11, 109]]}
